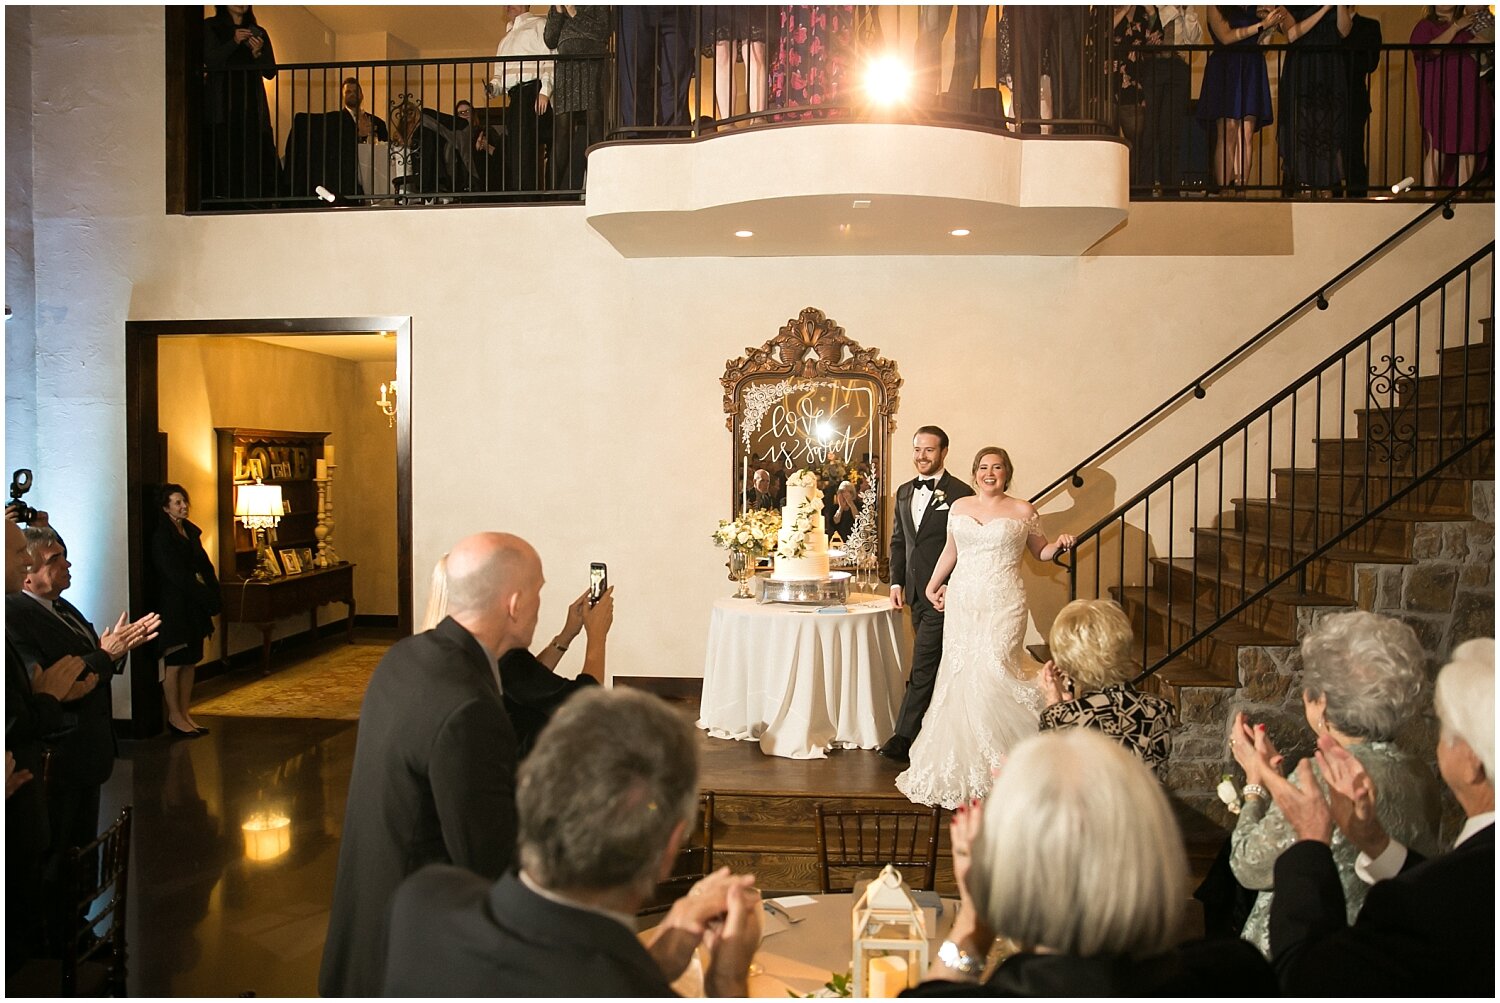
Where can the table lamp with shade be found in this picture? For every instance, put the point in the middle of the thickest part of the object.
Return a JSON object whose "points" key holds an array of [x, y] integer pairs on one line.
{"points": [[259, 507]]}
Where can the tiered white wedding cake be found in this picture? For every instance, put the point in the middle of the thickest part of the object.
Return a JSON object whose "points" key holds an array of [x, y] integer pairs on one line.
{"points": [[801, 546]]}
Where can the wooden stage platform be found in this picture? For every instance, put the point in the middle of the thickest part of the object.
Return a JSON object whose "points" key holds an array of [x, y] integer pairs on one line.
{"points": [[764, 820]]}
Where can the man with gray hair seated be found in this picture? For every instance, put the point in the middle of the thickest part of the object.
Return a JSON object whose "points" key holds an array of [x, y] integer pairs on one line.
{"points": [[1427, 926], [601, 820]]}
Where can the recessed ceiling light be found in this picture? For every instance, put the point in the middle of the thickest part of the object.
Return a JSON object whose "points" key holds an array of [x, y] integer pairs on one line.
{"points": [[861, 203], [744, 233], [958, 233]]}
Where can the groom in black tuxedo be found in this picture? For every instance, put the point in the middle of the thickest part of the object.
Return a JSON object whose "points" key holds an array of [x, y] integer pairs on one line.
{"points": [[917, 541]]}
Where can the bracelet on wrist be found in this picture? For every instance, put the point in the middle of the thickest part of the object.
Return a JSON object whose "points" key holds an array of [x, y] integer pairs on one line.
{"points": [[559, 645], [1255, 791]]}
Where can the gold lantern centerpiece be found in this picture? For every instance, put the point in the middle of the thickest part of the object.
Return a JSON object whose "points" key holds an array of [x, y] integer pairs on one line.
{"points": [[889, 934]]}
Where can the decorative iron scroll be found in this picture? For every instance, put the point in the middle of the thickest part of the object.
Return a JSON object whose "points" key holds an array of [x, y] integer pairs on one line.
{"points": [[1393, 428]]}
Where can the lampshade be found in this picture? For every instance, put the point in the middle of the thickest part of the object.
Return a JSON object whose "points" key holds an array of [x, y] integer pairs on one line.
{"points": [[258, 505]]}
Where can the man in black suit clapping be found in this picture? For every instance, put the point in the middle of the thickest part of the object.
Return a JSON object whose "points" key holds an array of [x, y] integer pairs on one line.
{"points": [[917, 539]]}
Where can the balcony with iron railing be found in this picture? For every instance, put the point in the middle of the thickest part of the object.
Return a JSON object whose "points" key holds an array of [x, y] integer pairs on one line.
{"points": [[1348, 121]]}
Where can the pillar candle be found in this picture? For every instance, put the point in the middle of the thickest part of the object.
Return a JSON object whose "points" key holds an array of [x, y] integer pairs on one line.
{"points": [[328, 454], [322, 466], [887, 977]]}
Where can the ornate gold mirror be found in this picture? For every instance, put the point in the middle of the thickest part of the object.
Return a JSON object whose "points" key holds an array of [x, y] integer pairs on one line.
{"points": [[812, 398]]}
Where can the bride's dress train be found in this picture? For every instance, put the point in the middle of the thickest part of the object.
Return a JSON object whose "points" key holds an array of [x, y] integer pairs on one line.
{"points": [[986, 699]]}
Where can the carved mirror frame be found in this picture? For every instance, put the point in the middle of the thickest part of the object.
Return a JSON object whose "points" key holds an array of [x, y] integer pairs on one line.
{"points": [[812, 349]]}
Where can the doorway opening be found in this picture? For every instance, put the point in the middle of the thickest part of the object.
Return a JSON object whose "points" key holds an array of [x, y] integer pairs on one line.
{"points": [[194, 388]]}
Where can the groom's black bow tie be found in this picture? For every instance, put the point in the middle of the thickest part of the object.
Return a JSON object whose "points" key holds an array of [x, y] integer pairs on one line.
{"points": [[930, 483]]}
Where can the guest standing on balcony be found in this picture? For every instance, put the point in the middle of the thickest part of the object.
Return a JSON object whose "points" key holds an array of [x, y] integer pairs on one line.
{"points": [[932, 25], [1166, 83], [526, 81], [658, 38], [1314, 96], [239, 148], [1361, 58], [815, 54], [579, 96], [1132, 29], [738, 31], [1236, 98], [1458, 107]]}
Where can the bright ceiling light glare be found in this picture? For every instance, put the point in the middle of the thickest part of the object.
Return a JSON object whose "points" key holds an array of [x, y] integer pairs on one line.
{"points": [[744, 233], [887, 80], [958, 233]]}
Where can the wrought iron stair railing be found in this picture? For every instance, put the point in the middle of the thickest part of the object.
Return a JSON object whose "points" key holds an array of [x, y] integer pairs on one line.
{"points": [[1417, 389]]}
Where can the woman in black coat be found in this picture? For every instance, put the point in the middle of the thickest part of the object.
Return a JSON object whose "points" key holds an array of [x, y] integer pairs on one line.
{"points": [[187, 597], [239, 148]]}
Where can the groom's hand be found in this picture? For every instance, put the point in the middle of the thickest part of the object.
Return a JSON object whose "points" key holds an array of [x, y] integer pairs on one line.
{"points": [[896, 601]]}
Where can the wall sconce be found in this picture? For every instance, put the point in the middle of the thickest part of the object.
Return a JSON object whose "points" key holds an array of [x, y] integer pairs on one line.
{"points": [[268, 836], [387, 402], [259, 507]]}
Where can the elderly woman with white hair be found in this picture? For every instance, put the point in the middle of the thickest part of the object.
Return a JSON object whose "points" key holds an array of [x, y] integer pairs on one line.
{"points": [[1076, 859], [1363, 679]]}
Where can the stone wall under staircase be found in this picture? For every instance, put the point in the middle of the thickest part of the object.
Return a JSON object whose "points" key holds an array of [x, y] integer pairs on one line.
{"points": [[1445, 591]]}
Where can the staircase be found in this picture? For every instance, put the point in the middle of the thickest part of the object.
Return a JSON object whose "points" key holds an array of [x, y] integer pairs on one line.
{"points": [[1394, 514]]}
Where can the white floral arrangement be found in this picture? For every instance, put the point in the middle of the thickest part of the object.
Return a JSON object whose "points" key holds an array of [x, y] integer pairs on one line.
{"points": [[803, 478], [1229, 794], [753, 533]]}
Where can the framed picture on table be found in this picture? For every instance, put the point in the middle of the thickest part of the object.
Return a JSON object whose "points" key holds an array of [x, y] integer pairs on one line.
{"points": [[290, 563], [305, 555]]}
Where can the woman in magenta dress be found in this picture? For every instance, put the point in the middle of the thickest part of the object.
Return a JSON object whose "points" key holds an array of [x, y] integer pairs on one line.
{"points": [[1458, 106], [813, 59]]}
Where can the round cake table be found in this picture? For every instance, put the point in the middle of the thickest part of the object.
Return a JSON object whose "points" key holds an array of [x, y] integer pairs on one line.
{"points": [[801, 681]]}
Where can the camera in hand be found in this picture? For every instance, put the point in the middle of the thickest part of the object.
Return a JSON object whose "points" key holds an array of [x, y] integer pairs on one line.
{"points": [[20, 483]]}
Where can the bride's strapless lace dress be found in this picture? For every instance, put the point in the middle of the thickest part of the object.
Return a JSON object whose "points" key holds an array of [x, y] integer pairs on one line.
{"points": [[986, 699]]}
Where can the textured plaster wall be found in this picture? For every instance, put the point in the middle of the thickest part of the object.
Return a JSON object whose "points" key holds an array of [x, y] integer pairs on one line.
{"points": [[20, 259], [567, 394]]}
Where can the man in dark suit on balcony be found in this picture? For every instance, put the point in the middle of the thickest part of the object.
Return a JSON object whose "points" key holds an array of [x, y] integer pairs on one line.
{"points": [[917, 540], [1426, 926]]}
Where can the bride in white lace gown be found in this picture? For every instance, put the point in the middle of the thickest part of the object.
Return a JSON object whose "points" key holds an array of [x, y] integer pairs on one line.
{"points": [[986, 699]]}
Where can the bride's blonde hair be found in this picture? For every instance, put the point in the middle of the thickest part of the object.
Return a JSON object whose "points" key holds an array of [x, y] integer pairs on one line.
{"points": [[1010, 470]]}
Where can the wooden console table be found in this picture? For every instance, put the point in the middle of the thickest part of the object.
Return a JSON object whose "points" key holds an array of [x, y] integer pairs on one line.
{"points": [[264, 602]]}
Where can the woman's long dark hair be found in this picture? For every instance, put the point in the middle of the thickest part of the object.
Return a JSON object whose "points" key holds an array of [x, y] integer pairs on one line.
{"points": [[222, 17]]}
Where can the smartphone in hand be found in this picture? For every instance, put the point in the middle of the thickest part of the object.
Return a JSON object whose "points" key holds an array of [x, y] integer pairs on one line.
{"points": [[598, 581]]}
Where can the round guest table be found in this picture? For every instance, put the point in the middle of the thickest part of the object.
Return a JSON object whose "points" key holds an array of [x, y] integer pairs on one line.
{"points": [[803, 679], [806, 940]]}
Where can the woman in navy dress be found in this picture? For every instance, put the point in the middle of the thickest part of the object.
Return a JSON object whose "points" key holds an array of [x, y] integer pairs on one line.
{"points": [[1236, 97]]}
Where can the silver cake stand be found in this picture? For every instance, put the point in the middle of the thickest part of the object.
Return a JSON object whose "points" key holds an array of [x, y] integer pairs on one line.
{"points": [[833, 592]]}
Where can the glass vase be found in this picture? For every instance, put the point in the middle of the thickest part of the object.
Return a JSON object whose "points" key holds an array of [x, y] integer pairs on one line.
{"points": [[740, 567]]}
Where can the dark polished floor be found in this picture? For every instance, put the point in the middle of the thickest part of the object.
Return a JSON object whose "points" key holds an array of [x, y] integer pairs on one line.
{"points": [[204, 920]]}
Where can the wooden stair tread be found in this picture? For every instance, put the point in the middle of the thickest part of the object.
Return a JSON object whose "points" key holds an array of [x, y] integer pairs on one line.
{"points": [[1445, 474], [1227, 633], [1345, 554], [1394, 512], [1183, 671], [1285, 593]]}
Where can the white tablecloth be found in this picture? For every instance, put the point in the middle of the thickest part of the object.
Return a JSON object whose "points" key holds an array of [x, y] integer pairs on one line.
{"points": [[801, 681]]}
